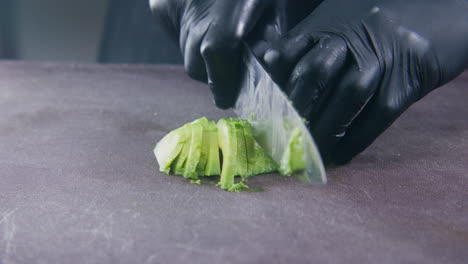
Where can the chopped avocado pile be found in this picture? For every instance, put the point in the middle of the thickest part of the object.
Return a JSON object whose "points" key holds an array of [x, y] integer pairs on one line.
{"points": [[190, 151], [194, 150]]}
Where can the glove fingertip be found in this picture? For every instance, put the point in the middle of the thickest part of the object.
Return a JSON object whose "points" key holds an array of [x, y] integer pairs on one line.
{"points": [[222, 104], [271, 57], [273, 61], [221, 101]]}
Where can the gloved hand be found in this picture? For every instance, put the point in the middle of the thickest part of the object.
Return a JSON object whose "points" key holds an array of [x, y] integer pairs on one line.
{"points": [[211, 32], [353, 66]]}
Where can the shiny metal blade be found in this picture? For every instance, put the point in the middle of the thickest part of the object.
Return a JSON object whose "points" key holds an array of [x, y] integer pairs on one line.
{"points": [[273, 118]]}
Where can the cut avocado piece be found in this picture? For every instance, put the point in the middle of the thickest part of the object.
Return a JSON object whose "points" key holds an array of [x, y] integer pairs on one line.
{"points": [[227, 142], [178, 166], [208, 163], [232, 144], [258, 161], [204, 151], [293, 158], [241, 148], [190, 166], [213, 166], [200, 170], [167, 150]]}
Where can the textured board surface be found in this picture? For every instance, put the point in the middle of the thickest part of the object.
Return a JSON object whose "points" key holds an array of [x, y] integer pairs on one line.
{"points": [[79, 183]]}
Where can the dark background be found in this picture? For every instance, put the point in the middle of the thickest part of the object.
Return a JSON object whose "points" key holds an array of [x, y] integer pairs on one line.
{"points": [[85, 31]]}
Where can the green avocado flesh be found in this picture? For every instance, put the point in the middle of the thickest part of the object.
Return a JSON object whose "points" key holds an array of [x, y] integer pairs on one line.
{"points": [[232, 144], [258, 161], [194, 150], [293, 157], [210, 137], [177, 166], [169, 148], [194, 153]]}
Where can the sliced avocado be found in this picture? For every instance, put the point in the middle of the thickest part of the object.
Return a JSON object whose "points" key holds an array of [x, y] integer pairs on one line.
{"points": [[204, 145], [258, 161], [242, 155], [232, 144], [205, 148], [293, 157], [227, 142], [169, 147], [241, 148], [213, 166], [194, 150], [190, 166], [177, 167]]}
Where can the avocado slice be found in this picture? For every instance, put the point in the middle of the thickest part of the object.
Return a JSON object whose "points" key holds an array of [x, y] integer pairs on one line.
{"points": [[227, 142], [232, 144], [204, 145], [293, 158], [239, 125], [167, 150], [177, 167], [213, 166], [258, 161], [194, 153]]}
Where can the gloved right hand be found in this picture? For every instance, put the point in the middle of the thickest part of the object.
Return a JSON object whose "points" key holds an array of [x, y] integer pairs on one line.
{"points": [[211, 34], [352, 67]]}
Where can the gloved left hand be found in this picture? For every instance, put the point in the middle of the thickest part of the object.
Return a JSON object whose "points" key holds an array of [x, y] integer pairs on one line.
{"points": [[353, 66], [211, 34]]}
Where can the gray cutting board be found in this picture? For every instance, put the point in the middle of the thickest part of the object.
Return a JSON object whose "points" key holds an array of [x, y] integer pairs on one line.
{"points": [[79, 183]]}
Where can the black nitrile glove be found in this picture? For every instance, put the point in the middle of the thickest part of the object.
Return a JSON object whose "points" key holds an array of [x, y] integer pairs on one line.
{"points": [[353, 66], [211, 35]]}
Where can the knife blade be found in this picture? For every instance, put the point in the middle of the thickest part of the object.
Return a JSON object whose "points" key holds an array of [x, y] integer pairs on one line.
{"points": [[273, 118]]}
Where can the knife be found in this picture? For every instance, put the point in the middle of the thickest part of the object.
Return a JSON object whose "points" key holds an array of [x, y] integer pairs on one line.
{"points": [[273, 118]]}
